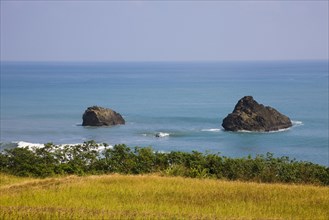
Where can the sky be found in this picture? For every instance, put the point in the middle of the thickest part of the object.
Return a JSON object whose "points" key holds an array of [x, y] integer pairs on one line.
{"points": [[163, 31]]}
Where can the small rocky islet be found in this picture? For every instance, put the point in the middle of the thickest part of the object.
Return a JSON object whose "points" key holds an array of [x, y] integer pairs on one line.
{"points": [[99, 116]]}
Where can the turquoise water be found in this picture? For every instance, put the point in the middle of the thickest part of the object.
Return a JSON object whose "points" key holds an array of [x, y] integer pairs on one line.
{"points": [[44, 102]]}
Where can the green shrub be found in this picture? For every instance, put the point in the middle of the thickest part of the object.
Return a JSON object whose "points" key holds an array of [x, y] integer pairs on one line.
{"points": [[87, 158]]}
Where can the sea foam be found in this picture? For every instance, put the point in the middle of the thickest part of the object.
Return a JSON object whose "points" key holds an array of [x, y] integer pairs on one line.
{"points": [[22, 144], [294, 124], [162, 134], [297, 123], [264, 132], [212, 129]]}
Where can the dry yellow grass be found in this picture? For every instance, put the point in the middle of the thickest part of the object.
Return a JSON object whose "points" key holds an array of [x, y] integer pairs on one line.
{"points": [[8, 180], [155, 197]]}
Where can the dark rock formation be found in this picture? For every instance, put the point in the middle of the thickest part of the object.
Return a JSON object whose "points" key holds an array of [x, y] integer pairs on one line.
{"points": [[98, 116], [250, 116]]}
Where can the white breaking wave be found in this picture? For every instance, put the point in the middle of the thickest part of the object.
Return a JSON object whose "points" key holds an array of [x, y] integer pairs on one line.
{"points": [[297, 123], [28, 144], [212, 129], [246, 131], [263, 132], [38, 145], [294, 123], [280, 130], [162, 134]]}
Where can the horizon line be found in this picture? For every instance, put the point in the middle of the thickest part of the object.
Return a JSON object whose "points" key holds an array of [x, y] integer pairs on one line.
{"points": [[156, 61]]}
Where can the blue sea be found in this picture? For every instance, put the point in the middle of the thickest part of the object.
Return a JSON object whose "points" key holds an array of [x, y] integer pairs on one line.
{"points": [[184, 101]]}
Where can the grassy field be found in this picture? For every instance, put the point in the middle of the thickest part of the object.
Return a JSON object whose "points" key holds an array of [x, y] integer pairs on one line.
{"points": [[156, 197]]}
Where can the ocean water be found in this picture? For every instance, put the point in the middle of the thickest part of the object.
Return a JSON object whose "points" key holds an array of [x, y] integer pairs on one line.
{"points": [[184, 102]]}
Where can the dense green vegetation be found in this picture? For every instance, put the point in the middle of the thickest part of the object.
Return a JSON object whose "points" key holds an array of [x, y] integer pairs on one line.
{"points": [[89, 158]]}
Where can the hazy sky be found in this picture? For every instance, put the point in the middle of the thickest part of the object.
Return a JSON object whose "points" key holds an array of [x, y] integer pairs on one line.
{"points": [[163, 31]]}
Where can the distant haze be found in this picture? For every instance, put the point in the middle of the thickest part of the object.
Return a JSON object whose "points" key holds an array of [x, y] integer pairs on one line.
{"points": [[163, 31]]}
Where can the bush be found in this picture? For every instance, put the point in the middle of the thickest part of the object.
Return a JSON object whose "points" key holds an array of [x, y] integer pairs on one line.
{"points": [[87, 158]]}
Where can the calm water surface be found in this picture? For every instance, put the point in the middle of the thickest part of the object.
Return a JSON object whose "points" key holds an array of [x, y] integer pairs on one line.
{"points": [[44, 102]]}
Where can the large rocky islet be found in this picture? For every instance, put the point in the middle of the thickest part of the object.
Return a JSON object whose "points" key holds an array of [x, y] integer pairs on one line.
{"points": [[249, 115]]}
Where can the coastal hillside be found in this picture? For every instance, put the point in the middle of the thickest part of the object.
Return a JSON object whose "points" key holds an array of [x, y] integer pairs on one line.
{"points": [[155, 197]]}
